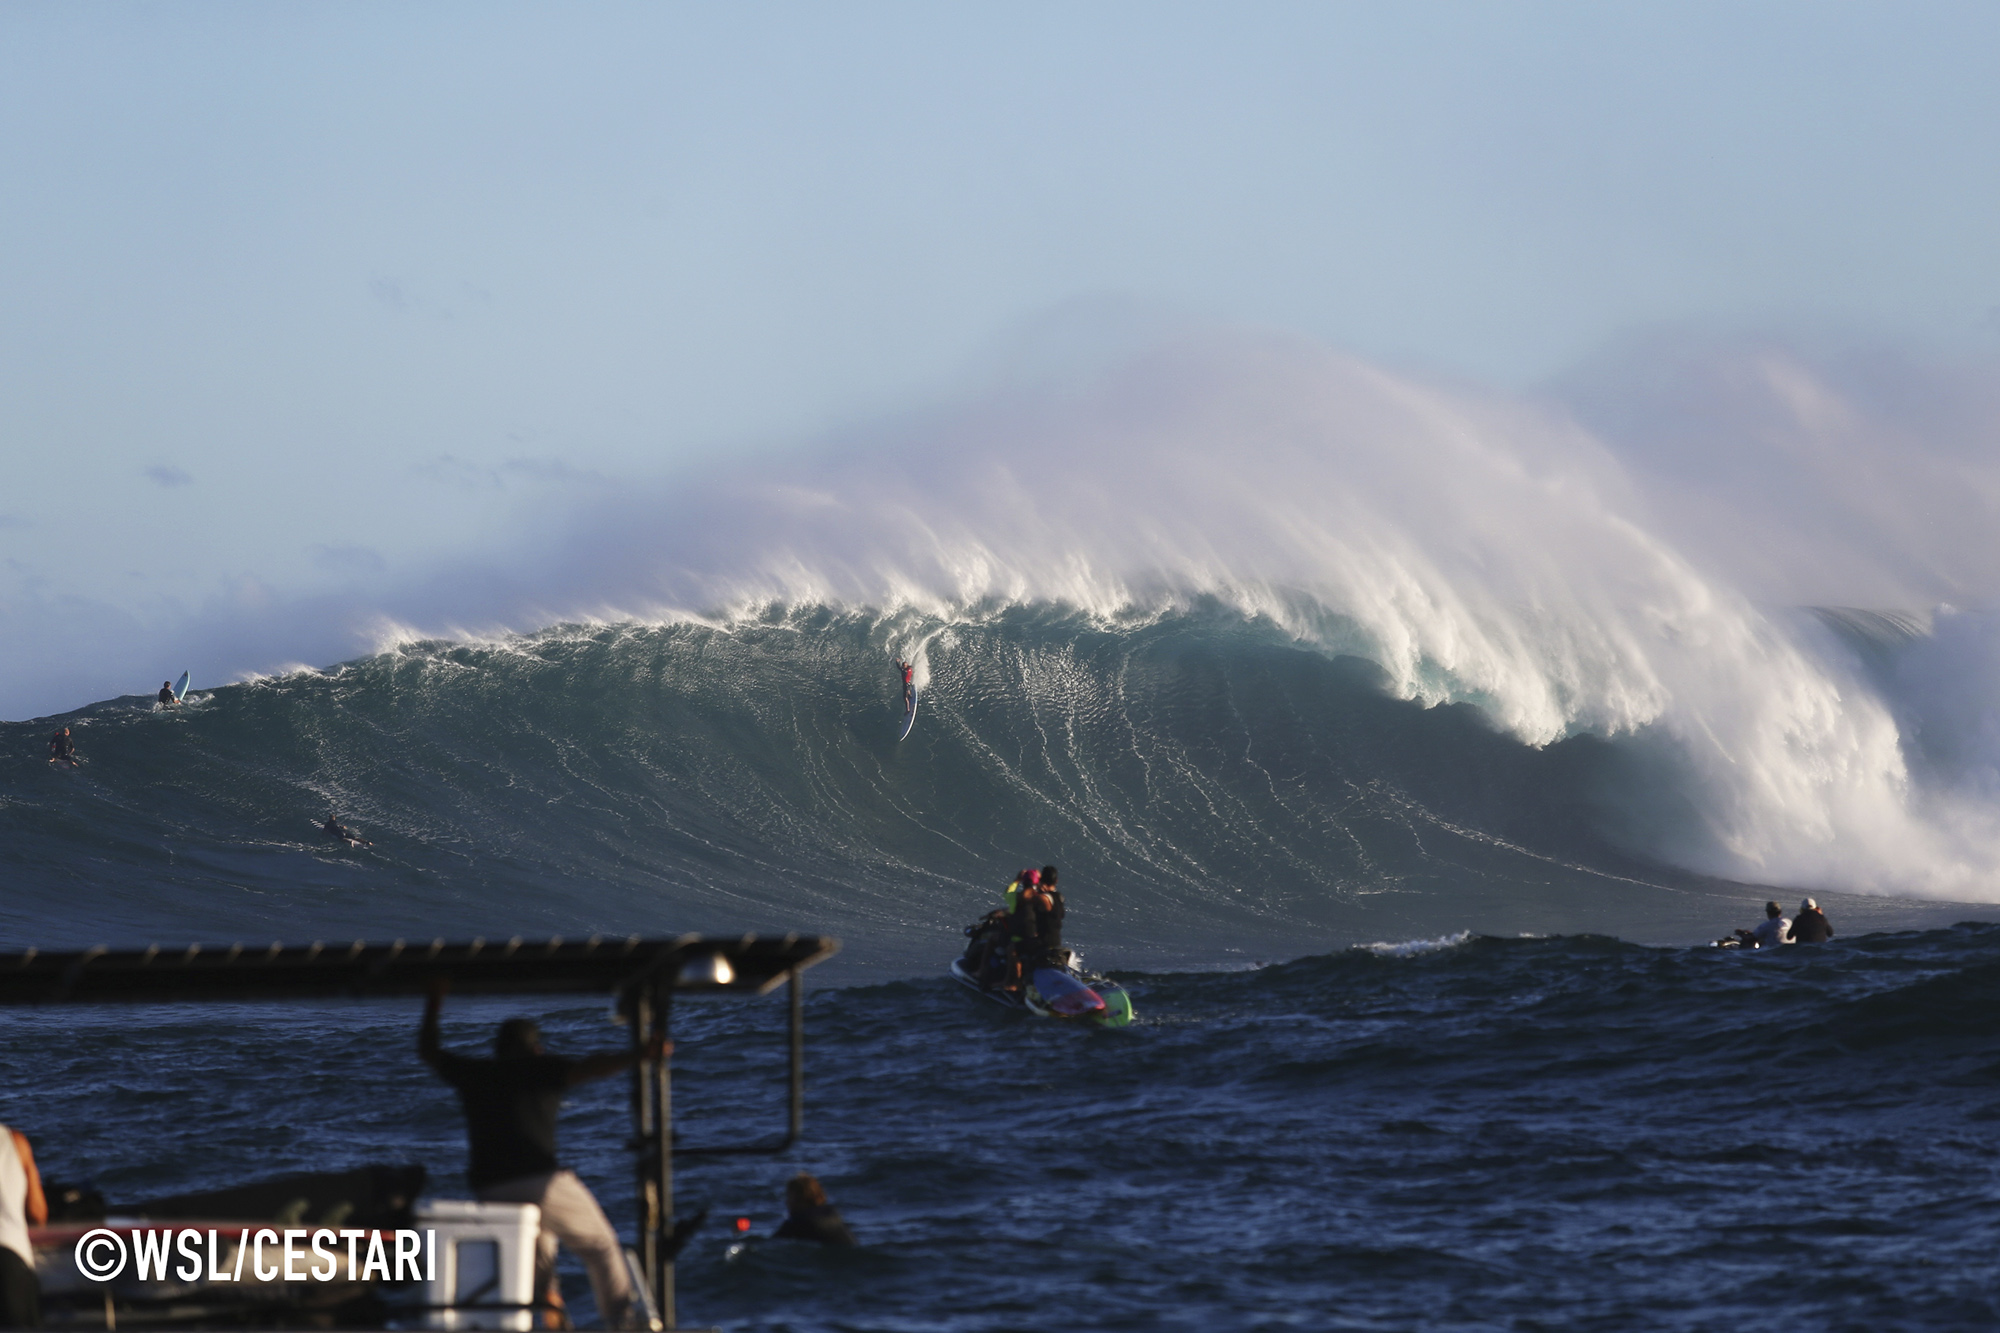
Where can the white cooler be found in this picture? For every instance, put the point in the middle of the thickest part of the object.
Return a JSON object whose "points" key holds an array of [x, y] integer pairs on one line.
{"points": [[485, 1257]]}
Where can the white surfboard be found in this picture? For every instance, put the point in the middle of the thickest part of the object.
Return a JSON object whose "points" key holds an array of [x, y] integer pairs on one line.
{"points": [[909, 714], [181, 687]]}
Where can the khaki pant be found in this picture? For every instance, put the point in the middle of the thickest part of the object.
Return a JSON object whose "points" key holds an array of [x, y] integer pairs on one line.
{"points": [[570, 1215]]}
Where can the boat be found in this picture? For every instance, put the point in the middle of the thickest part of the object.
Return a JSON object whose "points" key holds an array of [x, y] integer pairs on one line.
{"points": [[342, 1249], [1065, 992]]}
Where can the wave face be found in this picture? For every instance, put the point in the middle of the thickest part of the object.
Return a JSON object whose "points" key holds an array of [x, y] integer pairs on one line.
{"points": [[1212, 788], [1255, 639]]}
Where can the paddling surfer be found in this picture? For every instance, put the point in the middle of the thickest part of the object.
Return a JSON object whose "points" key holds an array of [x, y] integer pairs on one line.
{"points": [[333, 828], [808, 1215]]}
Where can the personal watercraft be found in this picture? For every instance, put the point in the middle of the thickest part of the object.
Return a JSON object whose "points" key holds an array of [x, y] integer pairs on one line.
{"points": [[1065, 992]]}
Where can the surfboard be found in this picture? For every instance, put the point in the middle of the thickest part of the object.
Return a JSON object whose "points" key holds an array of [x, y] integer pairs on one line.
{"points": [[181, 687], [909, 714], [1065, 994]]}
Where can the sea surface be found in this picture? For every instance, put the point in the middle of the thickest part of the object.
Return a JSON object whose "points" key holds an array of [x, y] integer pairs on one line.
{"points": [[1466, 1133], [1428, 1038]]}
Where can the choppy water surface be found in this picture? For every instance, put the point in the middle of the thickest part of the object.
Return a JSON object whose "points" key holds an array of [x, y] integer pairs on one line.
{"points": [[1475, 1133]]}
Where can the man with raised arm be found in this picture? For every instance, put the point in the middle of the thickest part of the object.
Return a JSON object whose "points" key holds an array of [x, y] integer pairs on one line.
{"points": [[510, 1105]]}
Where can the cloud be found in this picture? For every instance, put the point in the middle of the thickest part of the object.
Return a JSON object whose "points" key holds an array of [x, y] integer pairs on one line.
{"points": [[466, 475], [167, 475]]}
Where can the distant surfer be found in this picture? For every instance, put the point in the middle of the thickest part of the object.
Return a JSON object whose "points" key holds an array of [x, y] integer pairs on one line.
{"points": [[808, 1216], [1769, 934], [62, 749], [1810, 926], [909, 683], [166, 695], [333, 828]]}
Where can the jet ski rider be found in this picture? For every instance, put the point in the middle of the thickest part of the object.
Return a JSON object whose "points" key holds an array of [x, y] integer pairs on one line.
{"points": [[1025, 933], [1035, 915]]}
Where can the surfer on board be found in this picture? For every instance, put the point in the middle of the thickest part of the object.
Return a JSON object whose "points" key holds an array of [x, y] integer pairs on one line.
{"points": [[165, 697], [62, 749], [333, 828], [909, 682]]}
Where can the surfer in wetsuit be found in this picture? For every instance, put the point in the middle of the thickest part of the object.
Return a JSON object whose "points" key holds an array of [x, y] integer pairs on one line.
{"points": [[62, 748], [166, 694], [808, 1216], [1810, 926], [909, 682], [333, 828]]}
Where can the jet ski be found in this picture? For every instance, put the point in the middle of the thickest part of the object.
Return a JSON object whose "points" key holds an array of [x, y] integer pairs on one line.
{"points": [[1066, 992]]}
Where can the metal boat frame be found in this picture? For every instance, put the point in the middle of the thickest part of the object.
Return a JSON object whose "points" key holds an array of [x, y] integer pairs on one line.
{"points": [[643, 975]]}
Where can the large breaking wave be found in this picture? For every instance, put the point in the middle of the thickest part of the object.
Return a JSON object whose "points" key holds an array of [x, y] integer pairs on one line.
{"points": [[1259, 639]]}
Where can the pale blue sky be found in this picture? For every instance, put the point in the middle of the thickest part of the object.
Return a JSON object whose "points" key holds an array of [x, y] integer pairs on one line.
{"points": [[301, 297]]}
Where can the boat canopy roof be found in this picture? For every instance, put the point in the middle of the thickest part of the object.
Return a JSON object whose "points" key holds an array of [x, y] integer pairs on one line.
{"points": [[689, 964]]}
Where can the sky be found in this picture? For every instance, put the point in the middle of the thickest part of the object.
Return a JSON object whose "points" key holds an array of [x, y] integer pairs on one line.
{"points": [[300, 301]]}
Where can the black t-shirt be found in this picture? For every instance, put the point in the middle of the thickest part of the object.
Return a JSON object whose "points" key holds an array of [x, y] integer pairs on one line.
{"points": [[510, 1112], [1811, 928]]}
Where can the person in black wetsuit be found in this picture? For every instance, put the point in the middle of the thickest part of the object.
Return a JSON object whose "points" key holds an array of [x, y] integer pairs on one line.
{"points": [[333, 828], [1038, 917], [166, 695], [510, 1107], [986, 954], [1052, 918], [1810, 926], [808, 1216], [61, 747]]}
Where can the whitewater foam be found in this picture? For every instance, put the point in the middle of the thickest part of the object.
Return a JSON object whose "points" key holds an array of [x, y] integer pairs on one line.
{"points": [[1478, 549], [1414, 948]]}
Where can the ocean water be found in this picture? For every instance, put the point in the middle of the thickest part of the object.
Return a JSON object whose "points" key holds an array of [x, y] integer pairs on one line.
{"points": [[1430, 1036], [1466, 1133]]}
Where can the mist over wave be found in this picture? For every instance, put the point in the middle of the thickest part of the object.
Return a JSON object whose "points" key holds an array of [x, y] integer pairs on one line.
{"points": [[1569, 568]]}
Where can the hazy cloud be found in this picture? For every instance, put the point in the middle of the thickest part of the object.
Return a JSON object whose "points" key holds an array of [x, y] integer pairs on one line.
{"points": [[167, 475], [466, 475]]}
